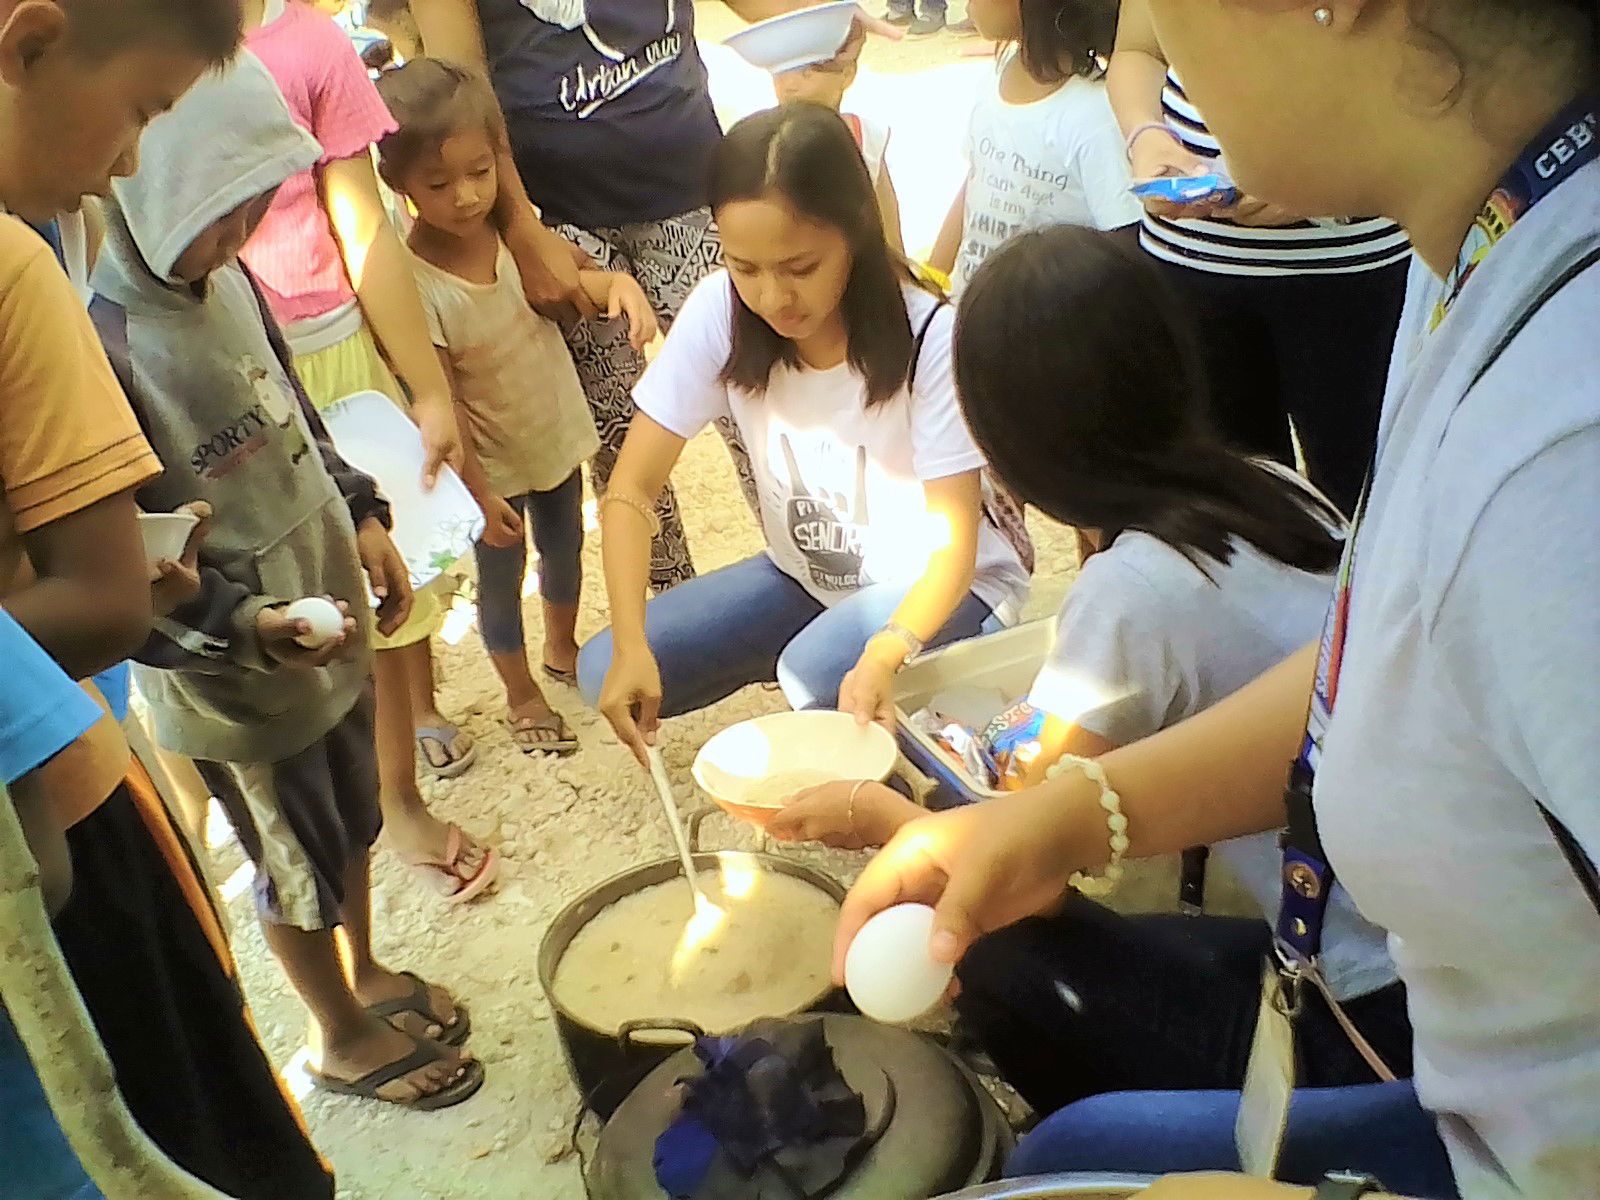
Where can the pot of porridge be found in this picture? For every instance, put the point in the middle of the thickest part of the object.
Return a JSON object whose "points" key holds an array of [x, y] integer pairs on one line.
{"points": [[634, 972]]}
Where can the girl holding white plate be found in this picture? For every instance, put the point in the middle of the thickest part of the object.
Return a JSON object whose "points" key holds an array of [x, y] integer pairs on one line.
{"points": [[835, 366]]}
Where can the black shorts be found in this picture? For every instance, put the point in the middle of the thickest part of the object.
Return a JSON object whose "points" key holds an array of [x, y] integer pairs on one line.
{"points": [[148, 955]]}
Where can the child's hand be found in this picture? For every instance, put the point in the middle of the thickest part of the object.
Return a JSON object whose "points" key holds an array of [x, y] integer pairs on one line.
{"points": [[628, 300], [177, 581], [386, 573], [502, 527], [278, 638], [441, 437]]}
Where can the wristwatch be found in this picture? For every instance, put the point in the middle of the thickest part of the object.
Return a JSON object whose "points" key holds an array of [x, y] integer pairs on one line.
{"points": [[1346, 1185], [905, 637]]}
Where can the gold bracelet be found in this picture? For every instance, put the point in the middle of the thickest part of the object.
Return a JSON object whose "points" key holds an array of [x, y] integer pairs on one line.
{"points": [[850, 810], [637, 505]]}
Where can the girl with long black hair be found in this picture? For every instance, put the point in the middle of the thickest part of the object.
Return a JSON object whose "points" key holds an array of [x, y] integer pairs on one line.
{"points": [[1081, 380], [834, 364]]}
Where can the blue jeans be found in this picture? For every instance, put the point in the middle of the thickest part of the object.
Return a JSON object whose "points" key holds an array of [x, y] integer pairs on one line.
{"points": [[750, 623], [39, 1164], [554, 520], [1379, 1128]]}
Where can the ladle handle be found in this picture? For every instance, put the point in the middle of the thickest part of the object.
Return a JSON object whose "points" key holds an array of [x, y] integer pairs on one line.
{"points": [[628, 1031]]}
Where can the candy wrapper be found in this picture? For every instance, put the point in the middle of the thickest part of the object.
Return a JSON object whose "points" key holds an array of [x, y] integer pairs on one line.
{"points": [[961, 745], [1013, 741]]}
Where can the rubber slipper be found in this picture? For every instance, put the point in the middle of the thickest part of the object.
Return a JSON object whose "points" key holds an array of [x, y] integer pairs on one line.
{"points": [[565, 742], [565, 678], [444, 736], [465, 887], [426, 1052], [416, 1002]]}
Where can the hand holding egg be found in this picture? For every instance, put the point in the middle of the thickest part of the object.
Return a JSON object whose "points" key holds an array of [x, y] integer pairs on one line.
{"points": [[311, 632], [322, 615], [888, 970]]}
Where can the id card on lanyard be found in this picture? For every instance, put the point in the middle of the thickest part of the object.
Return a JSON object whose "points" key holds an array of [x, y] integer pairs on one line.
{"points": [[1570, 142]]}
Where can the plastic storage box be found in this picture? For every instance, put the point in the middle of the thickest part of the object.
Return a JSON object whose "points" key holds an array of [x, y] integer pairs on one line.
{"points": [[1005, 662]]}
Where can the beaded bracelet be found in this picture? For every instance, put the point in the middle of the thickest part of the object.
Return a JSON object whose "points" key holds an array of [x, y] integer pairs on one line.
{"points": [[1116, 823], [638, 506]]}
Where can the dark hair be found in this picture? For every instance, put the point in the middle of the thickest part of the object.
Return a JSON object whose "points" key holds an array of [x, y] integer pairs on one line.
{"points": [[1081, 380], [101, 29], [431, 100], [805, 154], [1063, 38], [1562, 33]]}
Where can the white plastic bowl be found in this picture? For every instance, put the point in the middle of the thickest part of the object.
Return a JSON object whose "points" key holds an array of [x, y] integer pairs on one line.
{"points": [[432, 530], [165, 535], [796, 39], [733, 766]]}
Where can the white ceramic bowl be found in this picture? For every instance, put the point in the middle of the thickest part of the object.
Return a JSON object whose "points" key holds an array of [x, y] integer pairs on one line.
{"points": [[165, 535], [796, 39], [736, 767]]}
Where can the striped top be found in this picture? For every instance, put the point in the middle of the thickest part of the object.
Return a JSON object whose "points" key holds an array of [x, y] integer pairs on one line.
{"points": [[1221, 247]]}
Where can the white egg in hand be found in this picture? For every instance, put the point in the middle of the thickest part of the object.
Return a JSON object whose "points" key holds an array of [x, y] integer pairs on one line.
{"points": [[324, 617], [888, 971]]}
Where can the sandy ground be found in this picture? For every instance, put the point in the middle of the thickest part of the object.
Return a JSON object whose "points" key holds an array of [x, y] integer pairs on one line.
{"points": [[566, 825]]}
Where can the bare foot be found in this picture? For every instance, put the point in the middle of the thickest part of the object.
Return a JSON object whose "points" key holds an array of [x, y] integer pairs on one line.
{"points": [[444, 752], [418, 836], [380, 984], [535, 726], [561, 658], [376, 1045]]}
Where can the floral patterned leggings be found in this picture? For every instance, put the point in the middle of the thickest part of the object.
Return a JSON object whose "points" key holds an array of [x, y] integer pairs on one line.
{"points": [[668, 258]]}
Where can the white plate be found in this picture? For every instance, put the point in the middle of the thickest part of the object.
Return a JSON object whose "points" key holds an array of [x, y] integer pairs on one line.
{"points": [[165, 535], [432, 530], [740, 758], [796, 39]]}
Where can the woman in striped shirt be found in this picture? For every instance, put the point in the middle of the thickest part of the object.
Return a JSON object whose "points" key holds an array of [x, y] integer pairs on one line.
{"points": [[1298, 315]]}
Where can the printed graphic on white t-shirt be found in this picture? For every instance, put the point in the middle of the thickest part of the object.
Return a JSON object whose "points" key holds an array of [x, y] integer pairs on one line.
{"points": [[841, 486], [828, 526], [1057, 161]]}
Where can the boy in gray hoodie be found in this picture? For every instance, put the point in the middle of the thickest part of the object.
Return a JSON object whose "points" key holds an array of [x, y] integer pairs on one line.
{"points": [[282, 733]]}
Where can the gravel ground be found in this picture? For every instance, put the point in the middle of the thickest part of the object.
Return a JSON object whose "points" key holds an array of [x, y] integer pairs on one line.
{"points": [[566, 825]]}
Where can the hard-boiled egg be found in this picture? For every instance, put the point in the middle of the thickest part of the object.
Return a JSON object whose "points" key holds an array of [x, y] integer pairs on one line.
{"points": [[324, 617], [888, 970]]}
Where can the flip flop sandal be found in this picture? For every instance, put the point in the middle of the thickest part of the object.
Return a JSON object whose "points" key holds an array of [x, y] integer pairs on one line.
{"points": [[465, 887], [416, 1002], [426, 1052], [564, 743], [565, 678], [444, 737]]}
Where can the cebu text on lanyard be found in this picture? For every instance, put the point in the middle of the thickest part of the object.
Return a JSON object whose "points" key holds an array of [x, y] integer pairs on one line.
{"points": [[1569, 143]]}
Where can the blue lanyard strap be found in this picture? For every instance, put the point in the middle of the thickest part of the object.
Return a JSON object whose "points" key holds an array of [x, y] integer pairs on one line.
{"points": [[1570, 142]]}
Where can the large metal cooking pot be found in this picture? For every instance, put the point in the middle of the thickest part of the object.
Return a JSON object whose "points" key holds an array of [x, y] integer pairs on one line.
{"points": [[607, 1066], [1073, 1186]]}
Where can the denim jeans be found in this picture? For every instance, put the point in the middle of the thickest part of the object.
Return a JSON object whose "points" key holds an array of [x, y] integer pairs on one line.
{"points": [[751, 623], [554, 520], [1379, 1128]]}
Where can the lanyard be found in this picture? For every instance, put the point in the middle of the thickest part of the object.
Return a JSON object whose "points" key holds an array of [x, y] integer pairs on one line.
{"points": [[1570, 142]]}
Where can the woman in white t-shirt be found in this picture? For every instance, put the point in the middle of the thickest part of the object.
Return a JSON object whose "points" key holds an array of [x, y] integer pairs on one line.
{"points": [[1447, 771], [1207, 570], [835, 366], [1043, 144]]}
